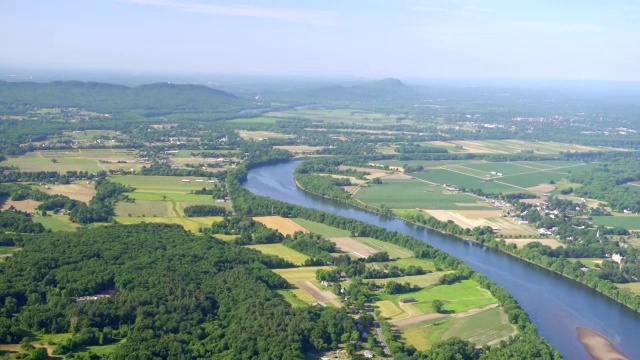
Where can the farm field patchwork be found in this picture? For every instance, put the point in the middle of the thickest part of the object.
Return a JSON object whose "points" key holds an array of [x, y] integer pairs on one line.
{"points": [[257, 135], [347, 116], [517, 146], [281, 251], [91, 160]]}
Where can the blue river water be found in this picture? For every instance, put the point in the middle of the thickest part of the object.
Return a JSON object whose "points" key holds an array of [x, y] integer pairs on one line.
{"points": [[556, 305]]}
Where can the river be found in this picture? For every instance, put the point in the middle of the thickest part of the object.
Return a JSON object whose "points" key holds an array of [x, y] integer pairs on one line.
{"points": [[556, 305]]}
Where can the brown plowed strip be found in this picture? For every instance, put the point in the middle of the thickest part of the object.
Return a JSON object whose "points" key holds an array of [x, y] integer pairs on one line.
{"points": [[315, 292], [353, 246]]}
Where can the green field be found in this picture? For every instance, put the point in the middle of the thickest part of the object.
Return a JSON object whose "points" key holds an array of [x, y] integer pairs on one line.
{"points": [[411, 194], [78, 160], [504, 168], [281, 251], [56, 222], [292, 298], [162, 184], [295, 275], [322, 229], [464, 181], [634, 287], [427, 333], [485, 327], [458, 297], [532, 179], [629, 222], [145, 208]]}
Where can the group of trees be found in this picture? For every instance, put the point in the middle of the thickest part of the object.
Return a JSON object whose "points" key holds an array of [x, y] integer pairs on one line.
{"points": [[172, 295]]}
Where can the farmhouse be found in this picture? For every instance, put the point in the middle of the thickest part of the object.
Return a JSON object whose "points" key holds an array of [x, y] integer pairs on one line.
{"points": [[407, 300], [186, 180]]}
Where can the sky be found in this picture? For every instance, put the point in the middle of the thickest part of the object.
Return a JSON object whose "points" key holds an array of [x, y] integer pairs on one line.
{"points": [[531, 39]]}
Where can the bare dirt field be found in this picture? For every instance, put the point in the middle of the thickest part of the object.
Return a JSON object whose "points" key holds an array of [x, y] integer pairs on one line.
{"points": [[397, 176], [259, 135], [283, 225], [542, 188], [374, 172], [472, 218], [553, 243], [80, 192], [22, 205], [412, 320], [353, 246], [353, 179], [299, 148], [319, 295]]}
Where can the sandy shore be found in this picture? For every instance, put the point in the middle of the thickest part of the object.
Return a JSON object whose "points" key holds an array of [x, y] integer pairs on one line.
{"points": [[598, 346]]}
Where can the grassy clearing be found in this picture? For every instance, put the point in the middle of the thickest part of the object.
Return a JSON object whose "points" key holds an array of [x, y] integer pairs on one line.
{"points": [[458, 297], [91, 160], [485, 327], [411, 194], [81, 191], [424, 263], [395, 251], [591, 263], [281, 251], [634, 287], [225, 237], [629, 222], [179, 197], [425, 334], [292, 298], [322, 229], [56, 222], [104, 349]]}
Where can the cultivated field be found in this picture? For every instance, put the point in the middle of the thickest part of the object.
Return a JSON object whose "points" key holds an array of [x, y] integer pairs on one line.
{"points": [[418, 280], [281, 251], [22, 205], [56, 222], [373, 173], [192, 224], [91, 160], [78, 191], [472, 218], [283, 225], [630, 222], [394, 251], [353, 247], [347, 116], [411, 194], [322, 229], [520, 243], [259, 135], [303, 281], [163, 184], [298, 149], [516, 146], [145, 208]]}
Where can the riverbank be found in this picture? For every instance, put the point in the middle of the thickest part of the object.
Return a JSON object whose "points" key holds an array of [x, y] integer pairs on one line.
{"points": [[489, 245], [598, 346]]}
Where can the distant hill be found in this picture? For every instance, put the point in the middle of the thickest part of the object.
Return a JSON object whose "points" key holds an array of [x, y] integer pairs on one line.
{"points": [[151, 99], [389, 88]]}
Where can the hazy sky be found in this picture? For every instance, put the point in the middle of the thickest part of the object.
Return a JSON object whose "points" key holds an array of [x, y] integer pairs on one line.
{"points": [[567, 39]]}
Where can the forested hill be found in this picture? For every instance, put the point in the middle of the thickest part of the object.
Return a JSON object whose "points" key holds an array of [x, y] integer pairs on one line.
{"points": [[109, 98], [374, 90]]}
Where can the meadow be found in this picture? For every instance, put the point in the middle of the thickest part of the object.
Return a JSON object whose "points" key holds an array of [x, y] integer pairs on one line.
{"points": [[442, 176], [56, 222]]}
